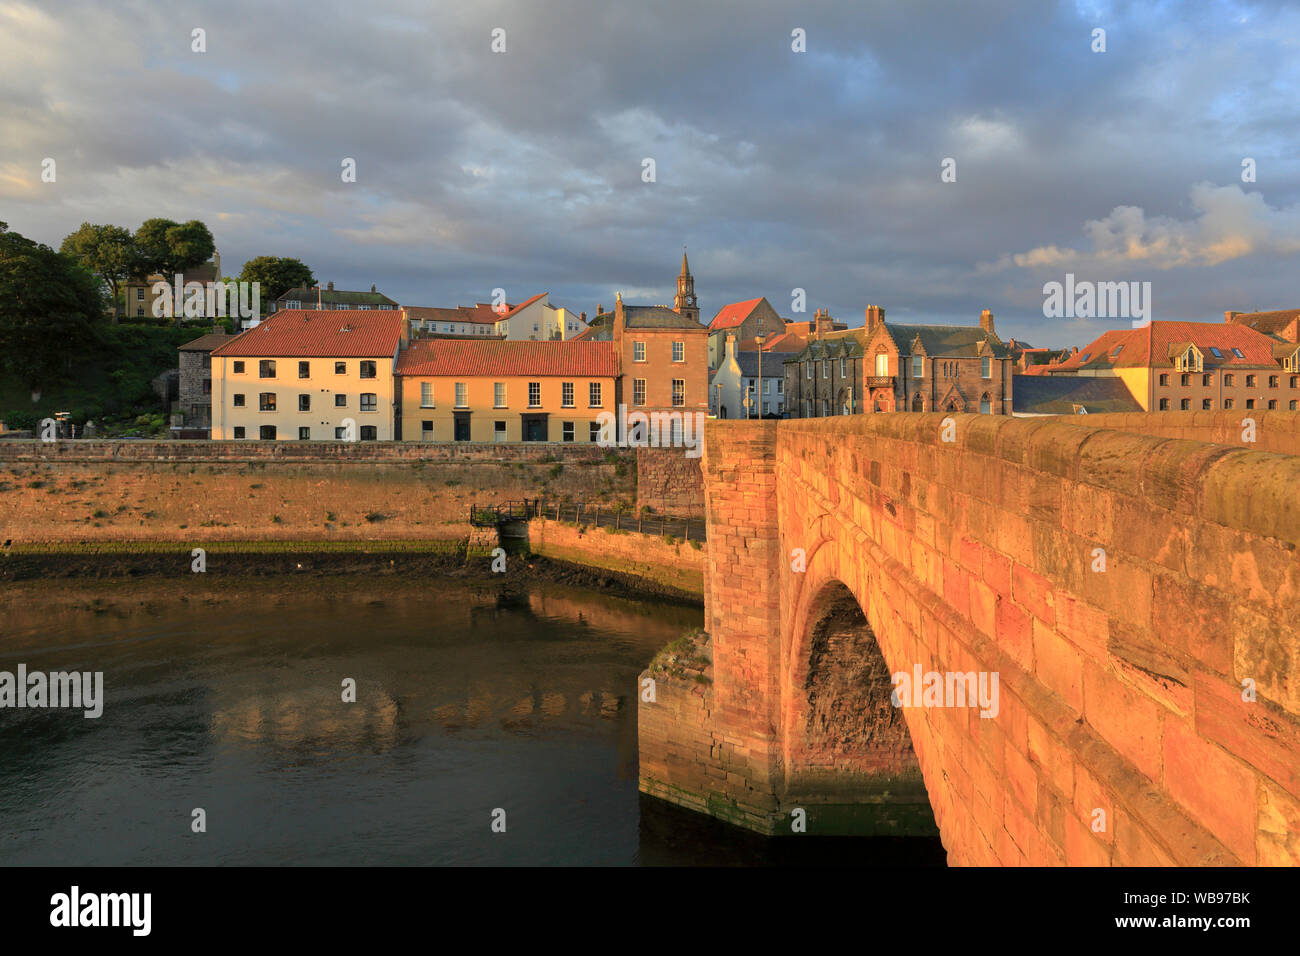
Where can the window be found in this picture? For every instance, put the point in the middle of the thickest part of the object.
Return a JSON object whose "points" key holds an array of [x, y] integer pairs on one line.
{"points": [[1215, 352], [1295, 381], [266, 402], [498, 394], [1207, 380], [1086, 356], [1227, 403], [1164, 381], [462, 395], [566, 431], [239, 368], [426, 430], [340, 368], [304, 369], [367, 369], [1250, 403], [1164, 404], [238, 400], [638, 391], [638, 351], [1293, 405], [239, 429], [882, 363], [340, 401], [593, 394], [426, 395], [1185, 381], [1115, 354], [369, 402], [1206, 404], [266, 433], [499, 431], [808, 368], [767, 386], [266, 368], [1250, 381], [566, 394], [679, 392], [986, 405], [679, 351], [340, 434], [765, 408], [780, 386], [844, 366], [1237, 352], [304, 433], [675, 433], [304, 403], [593, 431], [1185, 404], [918, 366], [369, 433], [534, 394], [986, 367], [1272, 404], [1228, 380], [826, 408], [1272, 381], [139, 293], [826, 368]]}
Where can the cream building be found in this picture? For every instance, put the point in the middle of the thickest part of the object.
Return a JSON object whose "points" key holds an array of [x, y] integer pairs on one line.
{"points": [[501, 391], [537, 320], [309, 376]]}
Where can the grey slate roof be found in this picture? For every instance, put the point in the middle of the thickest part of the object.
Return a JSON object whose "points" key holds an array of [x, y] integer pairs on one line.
{"points": [[1063, 394], [657, 317], [337, 296]]}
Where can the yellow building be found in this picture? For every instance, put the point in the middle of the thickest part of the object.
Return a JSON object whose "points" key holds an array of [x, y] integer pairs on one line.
{"points": [[504, 391], [308, 375]]}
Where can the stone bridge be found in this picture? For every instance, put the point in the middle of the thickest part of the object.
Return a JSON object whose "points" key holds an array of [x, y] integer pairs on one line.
{"points": [[1132, 583]]}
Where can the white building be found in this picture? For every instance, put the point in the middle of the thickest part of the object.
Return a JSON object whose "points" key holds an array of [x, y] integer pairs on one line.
{"points": [[747, 384], [539, 321]]}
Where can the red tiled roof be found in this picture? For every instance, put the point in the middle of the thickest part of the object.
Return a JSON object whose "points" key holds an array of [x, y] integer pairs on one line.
{"points": [[1270, 323], [481, 313], [1150, 346], [500, 357], [311, 333], [730, 316], [787, 341]]}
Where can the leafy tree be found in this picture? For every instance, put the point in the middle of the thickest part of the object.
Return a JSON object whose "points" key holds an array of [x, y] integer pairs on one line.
{"points": [[169, 247], [277, 275], [107, 251], [49, 308]]}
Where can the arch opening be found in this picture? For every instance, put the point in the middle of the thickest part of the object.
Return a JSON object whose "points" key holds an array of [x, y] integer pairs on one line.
{"points": [[850, 746]]}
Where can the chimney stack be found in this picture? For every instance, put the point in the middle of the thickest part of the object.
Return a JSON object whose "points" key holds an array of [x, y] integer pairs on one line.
{"points": [[822, 322], [986, 321], [1229, 316], [330, 285], [582, 316], [372, 287], [875, 316]]}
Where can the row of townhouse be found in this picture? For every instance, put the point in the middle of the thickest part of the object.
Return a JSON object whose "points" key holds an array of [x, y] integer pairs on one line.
{"points": [[887, 366], [365, 375]]}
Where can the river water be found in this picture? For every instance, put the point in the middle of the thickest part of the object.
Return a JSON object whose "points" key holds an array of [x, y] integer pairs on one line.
{"points": [[467, 703]]}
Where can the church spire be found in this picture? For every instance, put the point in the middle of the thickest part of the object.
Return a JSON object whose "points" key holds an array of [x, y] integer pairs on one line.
{"points": [[684, 302]]}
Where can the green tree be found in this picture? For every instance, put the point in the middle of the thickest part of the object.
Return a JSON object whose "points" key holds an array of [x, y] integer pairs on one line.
{"points": [[107, 251], [169, 247], [276, 276], [50, 306]]}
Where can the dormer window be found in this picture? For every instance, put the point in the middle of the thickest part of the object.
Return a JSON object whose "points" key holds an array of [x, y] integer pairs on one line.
{"points": [[1237, 352]]}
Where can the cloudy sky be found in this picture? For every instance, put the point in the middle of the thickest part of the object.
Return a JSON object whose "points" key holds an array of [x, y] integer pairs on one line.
{"points": [[778, 169]]}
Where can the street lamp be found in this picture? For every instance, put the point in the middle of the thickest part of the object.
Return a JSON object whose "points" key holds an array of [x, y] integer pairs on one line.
{"points": [[759, 340]]}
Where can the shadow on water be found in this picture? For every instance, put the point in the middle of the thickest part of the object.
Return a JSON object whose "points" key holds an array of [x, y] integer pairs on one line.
{"points": [[673, 836]]}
